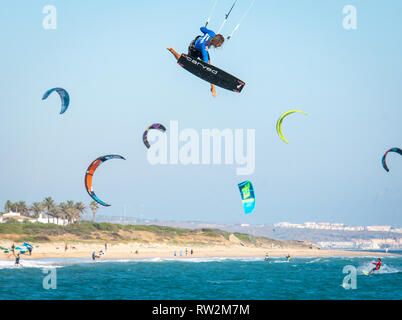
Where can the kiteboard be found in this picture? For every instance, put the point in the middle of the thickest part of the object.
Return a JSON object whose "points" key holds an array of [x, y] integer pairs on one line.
{"points": [[210, 73], [365, 273]]}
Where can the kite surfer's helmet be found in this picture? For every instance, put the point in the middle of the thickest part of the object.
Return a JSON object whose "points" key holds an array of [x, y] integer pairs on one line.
{"points": [[217, 41]]}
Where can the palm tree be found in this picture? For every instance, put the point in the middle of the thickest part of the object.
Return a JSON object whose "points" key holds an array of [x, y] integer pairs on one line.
{"points": [[55, 212], [14, 207], [8, 206], [81, 209], [22, 208], [48, 204], [37, 209], [64, 211], [94, 207], [72, 211]]}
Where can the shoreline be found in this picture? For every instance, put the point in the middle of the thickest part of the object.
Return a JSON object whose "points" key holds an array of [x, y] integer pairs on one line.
{"points": [[128, 251]]}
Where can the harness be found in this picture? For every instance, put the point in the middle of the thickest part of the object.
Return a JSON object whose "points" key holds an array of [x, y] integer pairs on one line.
{"points": [[193, 52]]}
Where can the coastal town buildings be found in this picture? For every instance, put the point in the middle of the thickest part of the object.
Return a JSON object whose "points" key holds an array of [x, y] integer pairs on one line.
{"points": [[336, 226]]}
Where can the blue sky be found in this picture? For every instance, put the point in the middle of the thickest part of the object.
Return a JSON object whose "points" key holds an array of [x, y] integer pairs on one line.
{"points": [[112, 59]]}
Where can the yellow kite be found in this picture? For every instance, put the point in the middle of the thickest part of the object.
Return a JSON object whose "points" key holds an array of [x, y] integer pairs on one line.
{"points": [[279, 123]]}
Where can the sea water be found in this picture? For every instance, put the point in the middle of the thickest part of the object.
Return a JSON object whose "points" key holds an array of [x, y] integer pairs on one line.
{"points": [[202, 278]]}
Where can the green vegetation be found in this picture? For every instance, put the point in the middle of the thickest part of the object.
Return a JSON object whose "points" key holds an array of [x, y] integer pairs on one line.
{"points": [[89, 231], [70, 211], [216, 233], [246, 238], [109, 232]]}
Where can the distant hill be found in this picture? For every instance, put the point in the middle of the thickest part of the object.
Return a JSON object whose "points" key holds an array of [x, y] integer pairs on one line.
{"points": [[117, 233]]}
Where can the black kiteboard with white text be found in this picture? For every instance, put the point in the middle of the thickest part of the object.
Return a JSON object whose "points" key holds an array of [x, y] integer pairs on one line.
{"points": [[210, 73]]}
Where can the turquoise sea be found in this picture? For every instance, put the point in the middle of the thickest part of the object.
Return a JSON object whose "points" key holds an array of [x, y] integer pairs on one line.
{"points": [[201, 278]]}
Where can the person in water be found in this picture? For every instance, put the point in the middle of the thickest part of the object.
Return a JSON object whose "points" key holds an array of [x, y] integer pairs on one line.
{"points": [[94, 256], [17, 260], [288, 257], [377, 266], [266, 257], [199, 47]]}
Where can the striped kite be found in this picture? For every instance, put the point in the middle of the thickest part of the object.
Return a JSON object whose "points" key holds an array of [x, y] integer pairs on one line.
{"points": [[157, 126], [90, 172], [384, 163], [65, 98], [247, 196]]}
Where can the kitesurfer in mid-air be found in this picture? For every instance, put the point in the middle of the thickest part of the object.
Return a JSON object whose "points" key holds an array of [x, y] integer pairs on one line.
{"points": [[199, 47], [377, 266]]}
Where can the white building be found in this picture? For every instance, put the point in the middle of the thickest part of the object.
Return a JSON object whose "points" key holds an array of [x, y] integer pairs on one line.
{"points": [[43, 218], [14, 215], [379, 228], [336, 244], [286, 225]]}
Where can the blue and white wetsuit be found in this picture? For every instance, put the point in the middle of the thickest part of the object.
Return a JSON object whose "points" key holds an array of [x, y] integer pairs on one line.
{"points": [[203, 41]]}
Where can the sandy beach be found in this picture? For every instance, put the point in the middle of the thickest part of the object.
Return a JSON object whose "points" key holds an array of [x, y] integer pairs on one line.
{"points": [[139, 250]]}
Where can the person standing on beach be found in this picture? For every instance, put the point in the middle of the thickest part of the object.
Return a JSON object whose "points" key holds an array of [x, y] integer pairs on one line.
{"points": [[191, 252], [12, 250], [17, 260], [94, 256], [186, 251], [105, 246], [180, 254], [174, 253]]}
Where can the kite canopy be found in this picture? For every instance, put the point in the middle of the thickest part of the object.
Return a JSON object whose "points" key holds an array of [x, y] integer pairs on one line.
{"points": [[65, 98], [156, 126], [90, 172], [22, 250], [5, 250], [384, 163], [27, 245], [279, 123], [247, 195]]}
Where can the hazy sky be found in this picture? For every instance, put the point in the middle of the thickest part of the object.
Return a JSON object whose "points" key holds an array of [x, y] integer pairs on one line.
{"points": [[111, 57]]}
